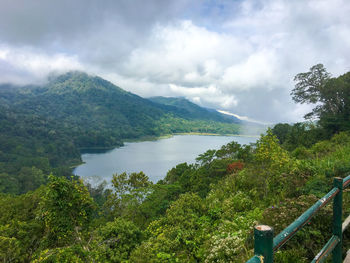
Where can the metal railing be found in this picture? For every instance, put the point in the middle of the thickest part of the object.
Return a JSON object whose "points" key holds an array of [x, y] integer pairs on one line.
{"points": [[265, 244]]}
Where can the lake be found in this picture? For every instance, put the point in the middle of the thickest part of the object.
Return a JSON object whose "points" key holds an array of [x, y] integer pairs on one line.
{"points": [[154, 158]]}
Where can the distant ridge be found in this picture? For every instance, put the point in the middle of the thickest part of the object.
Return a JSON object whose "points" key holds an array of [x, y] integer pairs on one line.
{"points": [[188, 109]]}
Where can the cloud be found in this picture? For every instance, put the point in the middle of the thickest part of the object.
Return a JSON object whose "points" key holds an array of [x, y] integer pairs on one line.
{"points": [[244, 118], [185, 54], [237, 56], [25, 66], [256, 71], [205, 95], [42, 22]]}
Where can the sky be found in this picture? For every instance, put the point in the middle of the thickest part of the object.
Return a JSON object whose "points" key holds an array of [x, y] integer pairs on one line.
{"points": [[237, 56]]}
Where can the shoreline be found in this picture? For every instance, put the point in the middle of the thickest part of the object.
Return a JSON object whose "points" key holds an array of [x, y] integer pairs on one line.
{"points": [[155, 138], [217, 134], [149, 138]]}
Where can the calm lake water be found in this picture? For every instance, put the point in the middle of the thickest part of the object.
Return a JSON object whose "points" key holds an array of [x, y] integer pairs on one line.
{"points": [[154, 158]]}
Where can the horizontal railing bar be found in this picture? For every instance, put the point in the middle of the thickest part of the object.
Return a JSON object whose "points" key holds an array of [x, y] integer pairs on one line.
{"points": [[290, 230], [346, 181], [328, 248], [345, 224], [256, 259]]}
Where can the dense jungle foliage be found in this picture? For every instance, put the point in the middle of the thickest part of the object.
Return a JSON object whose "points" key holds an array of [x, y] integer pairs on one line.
{"points": [[201, 212]]}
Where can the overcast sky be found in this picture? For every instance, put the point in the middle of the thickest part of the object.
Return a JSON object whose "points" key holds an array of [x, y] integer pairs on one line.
{"points": [[236, 56]]}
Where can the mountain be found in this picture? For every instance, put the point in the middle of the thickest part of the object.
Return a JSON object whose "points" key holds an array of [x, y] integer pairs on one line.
{"points": [[102, 114], [187, 109], [45, 126]]}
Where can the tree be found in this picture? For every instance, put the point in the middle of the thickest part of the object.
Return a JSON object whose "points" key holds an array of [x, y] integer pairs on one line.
{"points": [[206, 158], [310, 85], [159, 200], [330, 95], [282, 130], [177, 236], [116, 240], [8, 184], [20, 231], [175, 173], [335, 112], [30, 179], [66, 209], [300, 134], [129, 191]]}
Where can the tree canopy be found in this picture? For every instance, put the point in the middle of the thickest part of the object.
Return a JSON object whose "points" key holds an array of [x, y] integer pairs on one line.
{"points": [[331, 97]]}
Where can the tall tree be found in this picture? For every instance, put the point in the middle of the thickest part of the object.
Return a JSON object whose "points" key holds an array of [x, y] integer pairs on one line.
{"points": [[66, 210], [331, 97], [309, 88]]}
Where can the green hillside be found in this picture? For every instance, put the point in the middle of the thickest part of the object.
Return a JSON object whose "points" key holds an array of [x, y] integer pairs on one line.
{"points": [[45, 126], [99, 113]]}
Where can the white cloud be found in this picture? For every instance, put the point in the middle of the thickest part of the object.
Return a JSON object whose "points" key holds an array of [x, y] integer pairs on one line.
{"points": [[257, 71], [243, 118], [184, 53], [205, 95], [242, 60], [259, 50], [28, 65]]}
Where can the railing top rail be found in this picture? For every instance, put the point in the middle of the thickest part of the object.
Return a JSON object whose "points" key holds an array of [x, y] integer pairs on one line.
{"points": [[346, 181], [290, 230], [326, 250], [338, 227]]}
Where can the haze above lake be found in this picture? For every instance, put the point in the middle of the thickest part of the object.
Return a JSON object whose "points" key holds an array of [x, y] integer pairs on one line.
{"points": [[154, 158]]}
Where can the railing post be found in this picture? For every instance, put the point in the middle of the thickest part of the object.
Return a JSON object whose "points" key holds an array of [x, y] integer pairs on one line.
{"points": [[337, 219], [263, 242]]}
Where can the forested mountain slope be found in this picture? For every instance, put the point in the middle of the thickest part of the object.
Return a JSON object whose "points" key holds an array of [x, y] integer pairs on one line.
{"points": [[98, 112], [45, 126]]}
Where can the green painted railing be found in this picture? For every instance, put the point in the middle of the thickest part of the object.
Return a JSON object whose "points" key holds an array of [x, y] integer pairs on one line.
{"points": [[265, 244]]}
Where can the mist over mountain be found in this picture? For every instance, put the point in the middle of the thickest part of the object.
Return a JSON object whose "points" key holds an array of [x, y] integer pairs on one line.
{"points": [[188, 109]]}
